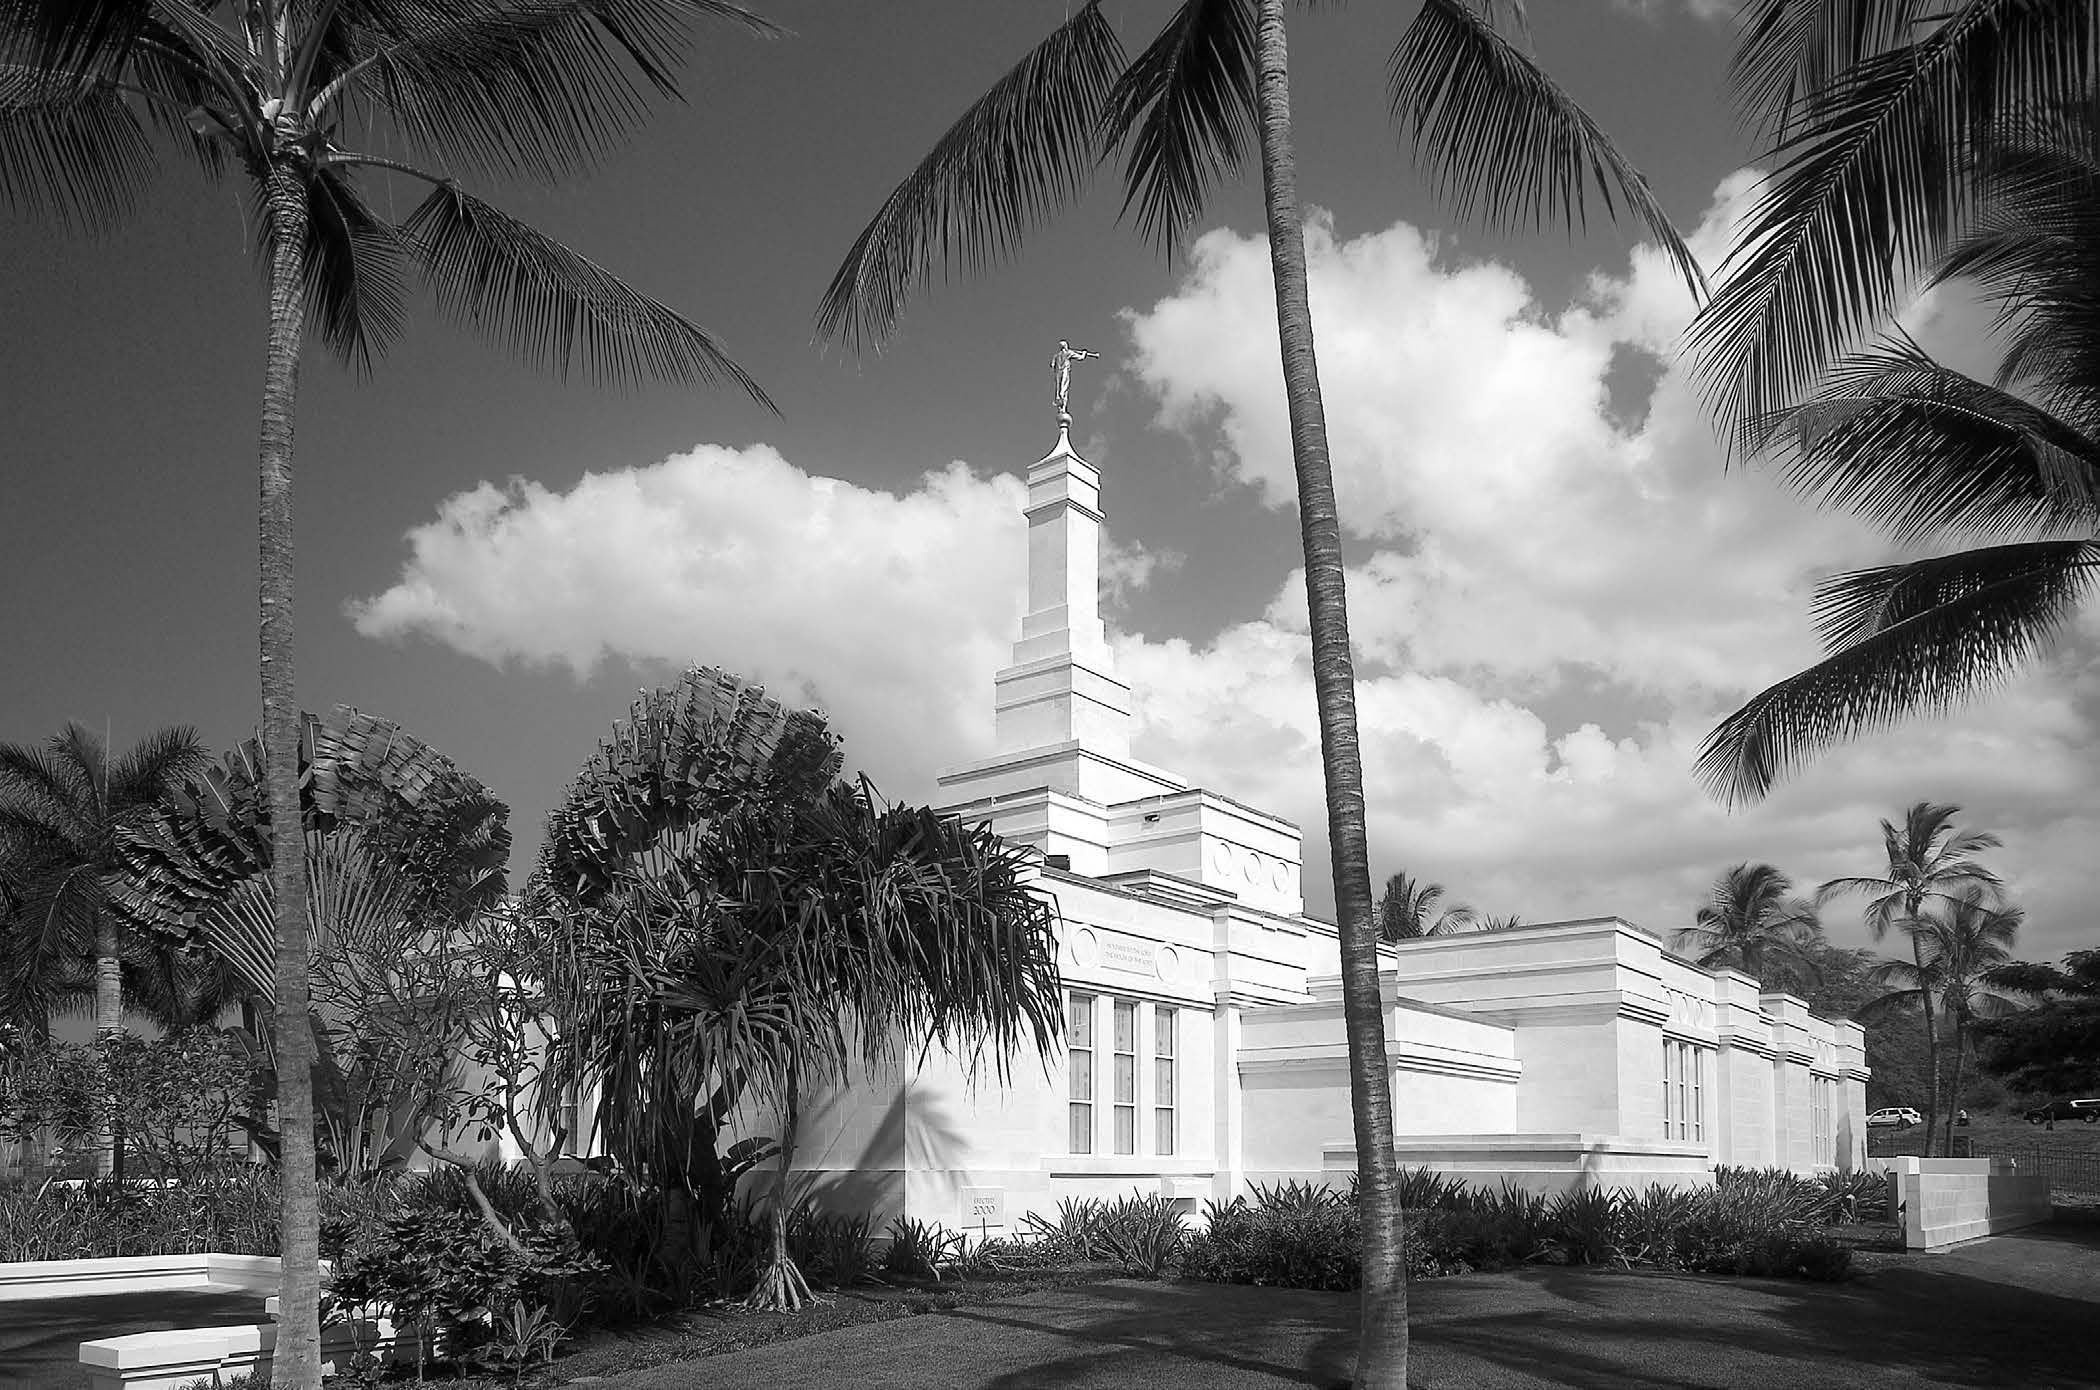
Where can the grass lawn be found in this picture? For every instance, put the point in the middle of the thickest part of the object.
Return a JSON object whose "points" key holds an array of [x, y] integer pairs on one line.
{"points": [[2014, 1310]]}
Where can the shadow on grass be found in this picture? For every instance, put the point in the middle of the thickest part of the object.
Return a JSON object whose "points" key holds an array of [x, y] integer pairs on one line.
{"points": [[1135, 1333], [1981, 1317]]}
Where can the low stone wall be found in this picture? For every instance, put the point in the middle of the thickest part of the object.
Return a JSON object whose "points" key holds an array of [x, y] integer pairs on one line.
{"points": [[33, 1279], [1945, 1200], [179, 1357]]}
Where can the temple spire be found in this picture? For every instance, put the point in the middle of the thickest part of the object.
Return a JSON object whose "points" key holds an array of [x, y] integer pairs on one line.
{"points": [[1061, 685]]}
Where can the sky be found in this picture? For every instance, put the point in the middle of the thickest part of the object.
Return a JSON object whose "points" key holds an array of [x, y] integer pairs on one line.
{"points": [[1556, 588]]}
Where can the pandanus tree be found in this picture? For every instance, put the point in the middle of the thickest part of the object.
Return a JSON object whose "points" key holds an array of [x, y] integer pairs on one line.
{"points": [[1961, 943], [1755, 923], [1408, 909], [1931, 863], [307, 101], [1915, 146], [1502, 140], [63, 807], [776, 931]]}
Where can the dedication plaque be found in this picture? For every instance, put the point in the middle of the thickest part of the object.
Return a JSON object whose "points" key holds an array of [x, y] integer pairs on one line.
{"points": [[983, 1207]]}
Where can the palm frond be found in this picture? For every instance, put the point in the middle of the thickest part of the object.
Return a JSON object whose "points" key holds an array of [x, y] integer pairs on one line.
{"points": [[354, 281], [2036, 253], [1923, 660], [1920, 449], [1020, 152], [157, 762], [70, 35], [1869, 189], [558, 310], [1792, 51], [76, 155], [1186, 108], [2031, 584], [1503, 142], [506, 87]]}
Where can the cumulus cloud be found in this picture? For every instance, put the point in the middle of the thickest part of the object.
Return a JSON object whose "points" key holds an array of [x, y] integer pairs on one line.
{"points": [[866, 604], [1556, 599]]}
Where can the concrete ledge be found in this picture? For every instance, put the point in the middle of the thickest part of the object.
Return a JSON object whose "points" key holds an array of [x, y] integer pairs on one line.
{"points": [[32, 1279], [1546, 1163], [1947, 1200], [178, 1357]]}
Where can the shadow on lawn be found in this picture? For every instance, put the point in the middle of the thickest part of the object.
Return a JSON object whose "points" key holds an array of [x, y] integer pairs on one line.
{"points": [[1138, 1331], [1965, 1318]]}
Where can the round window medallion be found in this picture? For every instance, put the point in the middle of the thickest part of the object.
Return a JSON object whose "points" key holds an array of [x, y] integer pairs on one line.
{"points": [[1086, 948], [1168, 964]]}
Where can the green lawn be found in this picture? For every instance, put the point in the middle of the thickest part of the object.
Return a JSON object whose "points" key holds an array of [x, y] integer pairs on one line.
{"points": [[2014, 1310]]}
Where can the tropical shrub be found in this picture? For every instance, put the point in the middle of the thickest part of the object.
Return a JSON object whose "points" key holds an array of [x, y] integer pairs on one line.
{"points": [[456, 1278], [1144, 1234], [1076, 1234], [921, 1249], [834, 1250], [1299, 1244]]}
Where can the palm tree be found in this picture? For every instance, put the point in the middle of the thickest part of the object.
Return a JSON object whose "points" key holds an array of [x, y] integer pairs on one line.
{"points": [[299, 96], [62, 809], [1504, 142], [757, 931], [1959, 945], [1924, 451], [1875, 110], [1755, 924], [1409, 909], [1929, 862]]}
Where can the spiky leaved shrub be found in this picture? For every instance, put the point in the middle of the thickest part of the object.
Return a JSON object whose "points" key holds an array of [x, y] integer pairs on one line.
{"points": [[1143, 1233], [835, 1250], [1585, 1224], [1852, 1197], [1076, 1233], [1425, 1189], [1297, 1196], [921, 1249]]}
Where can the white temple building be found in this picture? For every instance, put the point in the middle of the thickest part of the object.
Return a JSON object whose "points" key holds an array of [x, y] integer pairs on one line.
{"points": [[1204, 1048]]}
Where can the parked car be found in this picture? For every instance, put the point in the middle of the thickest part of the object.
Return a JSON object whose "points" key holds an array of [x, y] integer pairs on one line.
{"points": [[1899, 1116], [2087, 1110]]}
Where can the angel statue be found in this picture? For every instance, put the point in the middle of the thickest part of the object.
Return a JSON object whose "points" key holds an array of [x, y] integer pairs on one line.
{"points": [[1066, 356]]}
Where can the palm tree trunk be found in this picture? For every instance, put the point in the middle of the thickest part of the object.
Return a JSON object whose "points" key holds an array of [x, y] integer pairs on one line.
{"points": [[109, 1017], [1959, 1019], [1381, 1356], [297, 1364], [1932, 1038]]}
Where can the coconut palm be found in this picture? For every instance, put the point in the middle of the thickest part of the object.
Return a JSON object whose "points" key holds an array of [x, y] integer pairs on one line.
{"points": [[755, 931], [1927, 452], [1409, 909], [62, 809], [1875, 110], [1502, 140], [1754, 923], [1961, 942], [306, 100], [1930, 862]]}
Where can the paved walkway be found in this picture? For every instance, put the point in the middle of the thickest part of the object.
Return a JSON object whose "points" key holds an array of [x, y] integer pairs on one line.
{"points": [[40, 1338], [2020, 1309]]}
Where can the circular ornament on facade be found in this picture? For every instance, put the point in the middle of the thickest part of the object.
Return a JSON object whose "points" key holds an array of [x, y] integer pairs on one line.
{"points": [[1221, 859], [1168, 963], [1252, 869], [1280, 877], [1086, 948]]}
